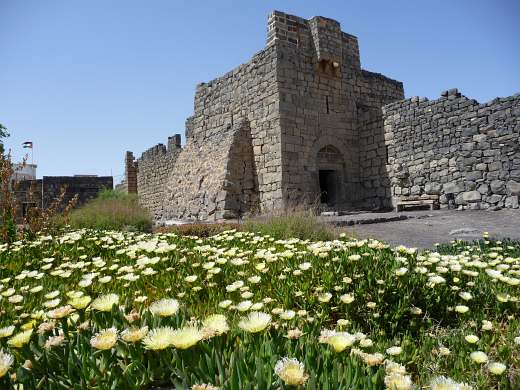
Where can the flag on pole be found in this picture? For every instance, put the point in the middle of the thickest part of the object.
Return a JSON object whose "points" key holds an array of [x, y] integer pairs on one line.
{"points": [[28, 144]]}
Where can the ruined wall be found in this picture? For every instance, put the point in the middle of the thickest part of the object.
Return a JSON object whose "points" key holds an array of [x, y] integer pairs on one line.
{"points": [[465, 152], [322, 88], [151, 174], [247, 94], [86, 187], [131, 169], [43, 192], [129, 182], [214, 179]]}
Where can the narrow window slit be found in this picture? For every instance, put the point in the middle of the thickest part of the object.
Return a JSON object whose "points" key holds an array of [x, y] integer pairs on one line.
{"points": [[327, 103]]}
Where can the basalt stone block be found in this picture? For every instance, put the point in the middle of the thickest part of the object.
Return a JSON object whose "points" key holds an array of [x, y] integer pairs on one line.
{"points": [[515, 174], [479, 138], [471, 196], [498, 187], [493, 175], [469, 161], [453, 187], [470, 131], [513, 188], [511, 202], [419, 180], [494, 199], [470, 185], [468, 146], [483, 189], [495, 166], [459, 199], [475, 175], [432, 188]]}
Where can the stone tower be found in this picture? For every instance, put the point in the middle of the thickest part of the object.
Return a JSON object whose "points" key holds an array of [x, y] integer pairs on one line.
{"points": [[331, 128]]}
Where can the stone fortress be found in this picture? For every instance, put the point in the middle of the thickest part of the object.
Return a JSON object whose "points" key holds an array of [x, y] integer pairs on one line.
{"points": [[302, 123]]}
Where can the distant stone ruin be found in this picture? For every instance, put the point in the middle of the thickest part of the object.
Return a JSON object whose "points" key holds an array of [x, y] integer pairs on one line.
{"points": [[44, 192], [302, 123]]}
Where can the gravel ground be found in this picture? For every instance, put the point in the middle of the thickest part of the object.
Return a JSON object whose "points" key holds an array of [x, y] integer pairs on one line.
{"points": [[424, 229]]}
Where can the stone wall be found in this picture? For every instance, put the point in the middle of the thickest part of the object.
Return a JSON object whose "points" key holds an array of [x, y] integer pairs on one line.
{"points": [[376, 91], [43, 192], [247, 94], [375, 185], [465, 152], [151, 172], [129, 182], [214, 179]]}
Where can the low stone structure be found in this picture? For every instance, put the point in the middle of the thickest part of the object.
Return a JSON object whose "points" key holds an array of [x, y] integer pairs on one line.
{"points": [[43, 192], [303, 123]]}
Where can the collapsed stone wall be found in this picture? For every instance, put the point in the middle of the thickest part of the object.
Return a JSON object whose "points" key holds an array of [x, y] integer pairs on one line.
{"points": [[152, 171], [216, 178], [466, 153]]}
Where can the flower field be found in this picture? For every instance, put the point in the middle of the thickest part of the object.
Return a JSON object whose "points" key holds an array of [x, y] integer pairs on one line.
{"points": [[238, 310]]}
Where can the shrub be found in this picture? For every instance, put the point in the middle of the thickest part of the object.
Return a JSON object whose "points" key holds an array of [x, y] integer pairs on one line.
{"points": [[303, 224], [114, 210]]}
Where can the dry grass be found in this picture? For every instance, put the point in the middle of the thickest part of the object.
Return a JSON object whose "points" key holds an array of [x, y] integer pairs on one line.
{"points": [[112, 210], [299, 223]]}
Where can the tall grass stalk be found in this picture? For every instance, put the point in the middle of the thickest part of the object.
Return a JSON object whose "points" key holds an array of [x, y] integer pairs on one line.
{"points": [[299, 223]]}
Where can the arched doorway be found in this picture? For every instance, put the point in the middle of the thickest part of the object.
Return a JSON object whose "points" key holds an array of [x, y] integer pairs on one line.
{"points": [[331, 169]]}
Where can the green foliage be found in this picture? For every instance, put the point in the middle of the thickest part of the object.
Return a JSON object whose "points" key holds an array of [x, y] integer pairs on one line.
{"points": [[309, 279], [304, 225], [3, 134], [299, 224], [10, 228], [105, 194], [3, 131], [112, 210]]}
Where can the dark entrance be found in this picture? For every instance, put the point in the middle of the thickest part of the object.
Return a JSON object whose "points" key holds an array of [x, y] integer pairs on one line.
{"points": [[328, 186]]}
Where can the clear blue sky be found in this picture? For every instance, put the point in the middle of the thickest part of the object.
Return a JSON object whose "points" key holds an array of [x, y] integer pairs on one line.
{"points": [[88, 80]]}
